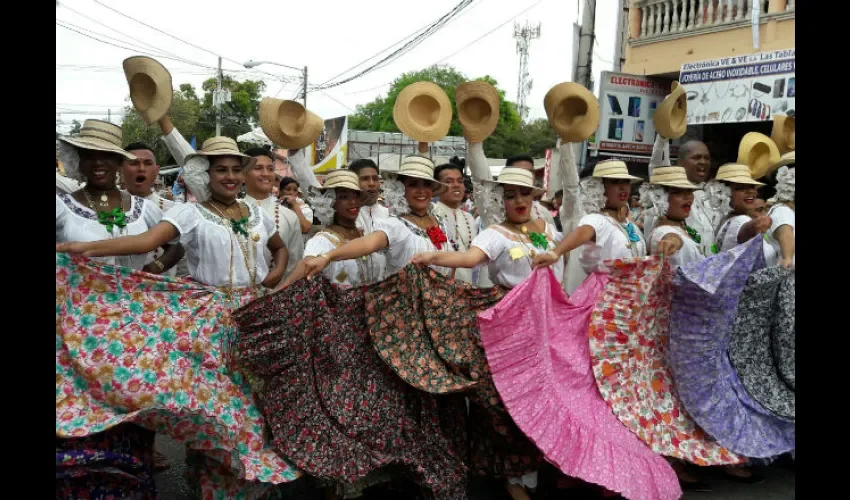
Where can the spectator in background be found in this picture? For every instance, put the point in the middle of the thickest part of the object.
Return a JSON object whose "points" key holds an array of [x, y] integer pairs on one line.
{"points": [[291, 199], [635, 210], [557, 201]]}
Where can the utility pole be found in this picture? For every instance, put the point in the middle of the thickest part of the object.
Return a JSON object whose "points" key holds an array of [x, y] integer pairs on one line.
{"points": [[109, 115], [217, 98], [583, 72], [622, 35], [305, 87], [524, 35]]}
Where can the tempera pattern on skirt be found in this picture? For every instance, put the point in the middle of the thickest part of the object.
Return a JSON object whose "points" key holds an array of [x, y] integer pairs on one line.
{"points": [[762, 320], [132, 347], [705, 303], [333, 406], [425, 327], [110, 465], [536, 343], [628, 347]]}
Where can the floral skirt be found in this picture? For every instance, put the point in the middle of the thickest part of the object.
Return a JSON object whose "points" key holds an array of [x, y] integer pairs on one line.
{"points": [[133, 347], [114, 464], [708, 297], [629, 329], [425, 327], [332, 405]]}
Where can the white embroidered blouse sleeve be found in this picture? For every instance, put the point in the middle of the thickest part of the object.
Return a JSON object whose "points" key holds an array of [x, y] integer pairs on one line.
{"points": [[177, 146], [395, 230], [570, 207], [318, 245], [184, 217], [491, 243], [302, 172], [152, 214], [61, 217]]}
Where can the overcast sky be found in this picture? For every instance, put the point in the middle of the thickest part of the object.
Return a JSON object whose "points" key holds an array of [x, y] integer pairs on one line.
{"points": [[328, 36]]}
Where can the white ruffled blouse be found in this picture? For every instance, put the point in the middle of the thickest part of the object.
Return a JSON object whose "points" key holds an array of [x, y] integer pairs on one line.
{"points": [[77, 222], [511, 255], [406, 239]]}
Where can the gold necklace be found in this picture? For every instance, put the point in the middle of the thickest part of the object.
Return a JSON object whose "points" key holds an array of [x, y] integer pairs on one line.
{"points": [[104, 198], [427, 217], [245, 249], [362, 265], [523, 234]]}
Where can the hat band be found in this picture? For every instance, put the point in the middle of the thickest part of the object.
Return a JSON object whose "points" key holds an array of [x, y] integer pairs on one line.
{"points": [[95, 132], [611, 171]]}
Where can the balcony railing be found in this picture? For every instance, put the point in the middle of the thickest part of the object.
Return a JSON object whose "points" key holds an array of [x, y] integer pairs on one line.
{"points": [[660, 19]]}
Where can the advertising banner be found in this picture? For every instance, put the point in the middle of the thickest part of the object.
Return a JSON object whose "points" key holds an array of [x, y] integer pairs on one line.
{"points": [[330, 151], [627, 104], [748, 88]]}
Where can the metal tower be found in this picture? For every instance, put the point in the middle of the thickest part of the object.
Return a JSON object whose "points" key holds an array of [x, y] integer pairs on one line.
{"points": [[524, 35]]}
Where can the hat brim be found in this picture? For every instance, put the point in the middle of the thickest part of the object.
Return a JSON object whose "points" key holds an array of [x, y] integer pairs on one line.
{"points": [[620, 177], [271, 113], [572, 110], [404, 109], [151, 89], [535, 191], [94, 145], [676, 185], [470, 98], [741, 180], [247, 161], [666, 124], [439, 187]]}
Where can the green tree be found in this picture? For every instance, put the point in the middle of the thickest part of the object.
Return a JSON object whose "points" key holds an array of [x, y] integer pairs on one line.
{"points": [[184, 113], [511, 136], [237, 116]]}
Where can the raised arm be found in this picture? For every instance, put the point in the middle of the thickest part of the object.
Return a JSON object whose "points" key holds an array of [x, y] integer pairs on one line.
{"points": [[138, 244], [174, 141], [660, 153], [354, 249], [468, 259], [302, 172], [480, 171]]}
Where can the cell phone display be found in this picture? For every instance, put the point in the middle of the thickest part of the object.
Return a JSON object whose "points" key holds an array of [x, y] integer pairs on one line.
{"points": [[779, 87], [634, 106], [618, 133], [652, 106], [639, 126], [791, 89], [612, 128], [615, 105]]}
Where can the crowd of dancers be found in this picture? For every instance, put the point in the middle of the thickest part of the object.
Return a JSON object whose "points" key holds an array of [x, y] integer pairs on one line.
{"points": [[389, 339]]}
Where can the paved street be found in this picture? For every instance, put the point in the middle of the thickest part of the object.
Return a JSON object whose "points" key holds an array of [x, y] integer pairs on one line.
{"points": [[779, 483]]}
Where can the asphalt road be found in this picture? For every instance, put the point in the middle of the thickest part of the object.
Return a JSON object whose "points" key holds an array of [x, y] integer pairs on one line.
{"points": [[778, 484]]}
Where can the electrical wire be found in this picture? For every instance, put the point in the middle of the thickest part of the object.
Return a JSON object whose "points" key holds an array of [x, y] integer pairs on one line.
{"points": [[179, 39], [119, 32], [409, 45]]}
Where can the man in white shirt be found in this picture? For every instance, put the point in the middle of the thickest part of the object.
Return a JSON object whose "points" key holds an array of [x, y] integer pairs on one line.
{"points": [[259, 183], [138, 178], [696, 160], [370, 185], [449, 209]]}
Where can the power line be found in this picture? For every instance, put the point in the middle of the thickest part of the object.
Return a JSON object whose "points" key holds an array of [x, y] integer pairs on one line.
{"points": [[430, 30], [458, 51], [117, 31], [337, 101], [177, 38], [131, 49]]}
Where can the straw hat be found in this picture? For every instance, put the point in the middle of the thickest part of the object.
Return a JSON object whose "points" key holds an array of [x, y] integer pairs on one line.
{"points": [[418, 167], [671, 117], [783, 133], [98, 135], [573, 111], [223, 146], [736, 173], [514, 176], [759, 152], [786, 159], [150, 87], [674, 177], [341, 179], [477, 109], [288, 123], [423, 112], [613, 169]]}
